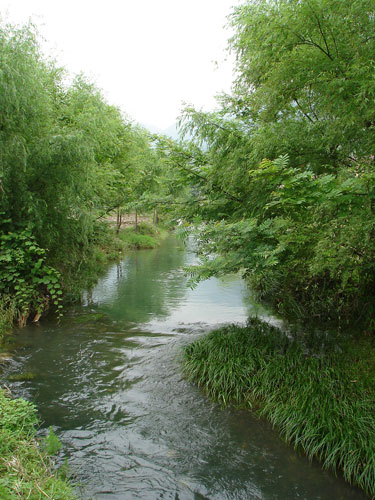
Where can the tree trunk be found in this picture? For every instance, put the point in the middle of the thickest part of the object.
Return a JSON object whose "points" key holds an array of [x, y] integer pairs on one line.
{"points": [[156, 217], [119, 220], [136, 219]]}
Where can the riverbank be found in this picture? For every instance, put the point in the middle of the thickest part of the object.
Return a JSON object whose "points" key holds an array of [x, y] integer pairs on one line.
{"points": [[319, 393], [26, 470], [80, 271]]}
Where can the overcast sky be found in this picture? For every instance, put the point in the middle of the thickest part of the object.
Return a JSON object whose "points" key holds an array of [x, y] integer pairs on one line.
{"points": [[147, 55]]}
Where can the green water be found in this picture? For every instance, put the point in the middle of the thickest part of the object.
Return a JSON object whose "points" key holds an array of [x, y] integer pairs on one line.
{"points": [[107, 378]]}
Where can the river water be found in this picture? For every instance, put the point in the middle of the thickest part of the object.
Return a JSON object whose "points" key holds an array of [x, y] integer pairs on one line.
{"points": [[108, 379]]}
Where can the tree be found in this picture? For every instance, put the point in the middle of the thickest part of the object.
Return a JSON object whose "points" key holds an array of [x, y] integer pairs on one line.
{"points": [[301, 99], [66, 158]]}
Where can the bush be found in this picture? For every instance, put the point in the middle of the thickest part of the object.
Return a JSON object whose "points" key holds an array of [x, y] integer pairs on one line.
{"points": [[25, 276], [7, 315], [147, 229]]}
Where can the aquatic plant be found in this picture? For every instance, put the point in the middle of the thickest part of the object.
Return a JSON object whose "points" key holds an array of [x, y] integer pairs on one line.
{"points": [[320, 397]]}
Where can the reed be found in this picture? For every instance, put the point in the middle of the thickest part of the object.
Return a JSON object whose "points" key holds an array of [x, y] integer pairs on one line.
{"points": [[320, 395]]}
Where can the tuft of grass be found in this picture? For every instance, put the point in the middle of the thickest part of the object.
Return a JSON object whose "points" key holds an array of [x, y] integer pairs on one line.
{"points": [[145, 236], [137, 241], [51, 443], [25, 470], [7, 316], [320, 397]]}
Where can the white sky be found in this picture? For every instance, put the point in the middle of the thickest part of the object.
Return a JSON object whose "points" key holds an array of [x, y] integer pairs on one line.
{"points": [[147, 55]]}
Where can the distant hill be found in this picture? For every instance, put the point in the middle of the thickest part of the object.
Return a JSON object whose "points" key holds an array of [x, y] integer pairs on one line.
{"points": [[171, 131], [151, 128]]}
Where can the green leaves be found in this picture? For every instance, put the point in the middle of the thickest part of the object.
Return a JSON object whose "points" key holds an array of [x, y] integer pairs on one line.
{"points": [[67, 158], [26, 276], [292, 149], [303, 73]]}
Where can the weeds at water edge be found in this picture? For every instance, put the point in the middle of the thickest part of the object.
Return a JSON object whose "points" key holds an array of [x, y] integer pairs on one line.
{"points": [[321, 402], [25, 469]]}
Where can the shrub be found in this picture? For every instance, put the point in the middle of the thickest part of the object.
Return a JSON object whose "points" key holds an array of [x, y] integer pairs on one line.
{"points": [[25, 275]]}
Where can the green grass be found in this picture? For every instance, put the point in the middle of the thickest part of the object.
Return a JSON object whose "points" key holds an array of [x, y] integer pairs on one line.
{"points": [[319, 393], [25, 469], [7, 316], [145, 236], [137, 241]]}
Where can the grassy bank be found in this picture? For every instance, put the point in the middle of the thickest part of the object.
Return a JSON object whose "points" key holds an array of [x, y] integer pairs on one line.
{"points": [[143, 236], [25, 467], [319, 392]]}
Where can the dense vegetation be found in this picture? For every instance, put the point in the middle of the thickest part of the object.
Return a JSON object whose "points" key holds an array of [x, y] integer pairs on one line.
{"points": [[284, 181], [319, 393], [278, 183], [67, 158]]}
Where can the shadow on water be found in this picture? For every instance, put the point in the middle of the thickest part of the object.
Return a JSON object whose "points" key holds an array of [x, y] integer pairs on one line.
{"points": [[108, 379]]}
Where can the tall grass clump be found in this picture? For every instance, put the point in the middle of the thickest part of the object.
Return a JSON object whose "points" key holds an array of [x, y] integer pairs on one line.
{"points": [[320, 396], [7, 316], [141, 237], [25, 469]]}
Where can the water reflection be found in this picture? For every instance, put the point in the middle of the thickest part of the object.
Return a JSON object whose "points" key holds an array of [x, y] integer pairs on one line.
{"points": [[147, 282], [150, 287], [108, 380]]}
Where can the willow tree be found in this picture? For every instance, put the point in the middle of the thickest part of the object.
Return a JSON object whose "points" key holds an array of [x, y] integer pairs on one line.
{"points": [[64, 151]]}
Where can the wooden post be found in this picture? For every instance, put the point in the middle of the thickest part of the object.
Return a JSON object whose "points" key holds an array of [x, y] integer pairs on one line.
{"points": [[119, 220], [156, 217]]}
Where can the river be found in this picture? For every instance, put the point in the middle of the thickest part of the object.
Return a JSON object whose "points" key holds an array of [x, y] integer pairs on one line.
{"points": [[108, 379]]}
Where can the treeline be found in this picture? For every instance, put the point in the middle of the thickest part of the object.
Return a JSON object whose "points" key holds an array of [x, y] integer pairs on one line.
{"points": [[285, 190], [279, 182], [67, 158]]}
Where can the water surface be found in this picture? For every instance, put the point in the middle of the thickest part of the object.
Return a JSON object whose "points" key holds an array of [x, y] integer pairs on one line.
{"points": [[107, 378]]}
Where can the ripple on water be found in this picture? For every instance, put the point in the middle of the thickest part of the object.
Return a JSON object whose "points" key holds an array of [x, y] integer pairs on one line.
{"points": [[132, 427]]}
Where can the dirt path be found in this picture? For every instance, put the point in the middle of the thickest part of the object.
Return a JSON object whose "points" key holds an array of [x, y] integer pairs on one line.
{"points": [[127, 219]]}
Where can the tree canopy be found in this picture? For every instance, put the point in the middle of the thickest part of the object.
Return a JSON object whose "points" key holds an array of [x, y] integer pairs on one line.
{"points": [[67, 157], [286, 192]]}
